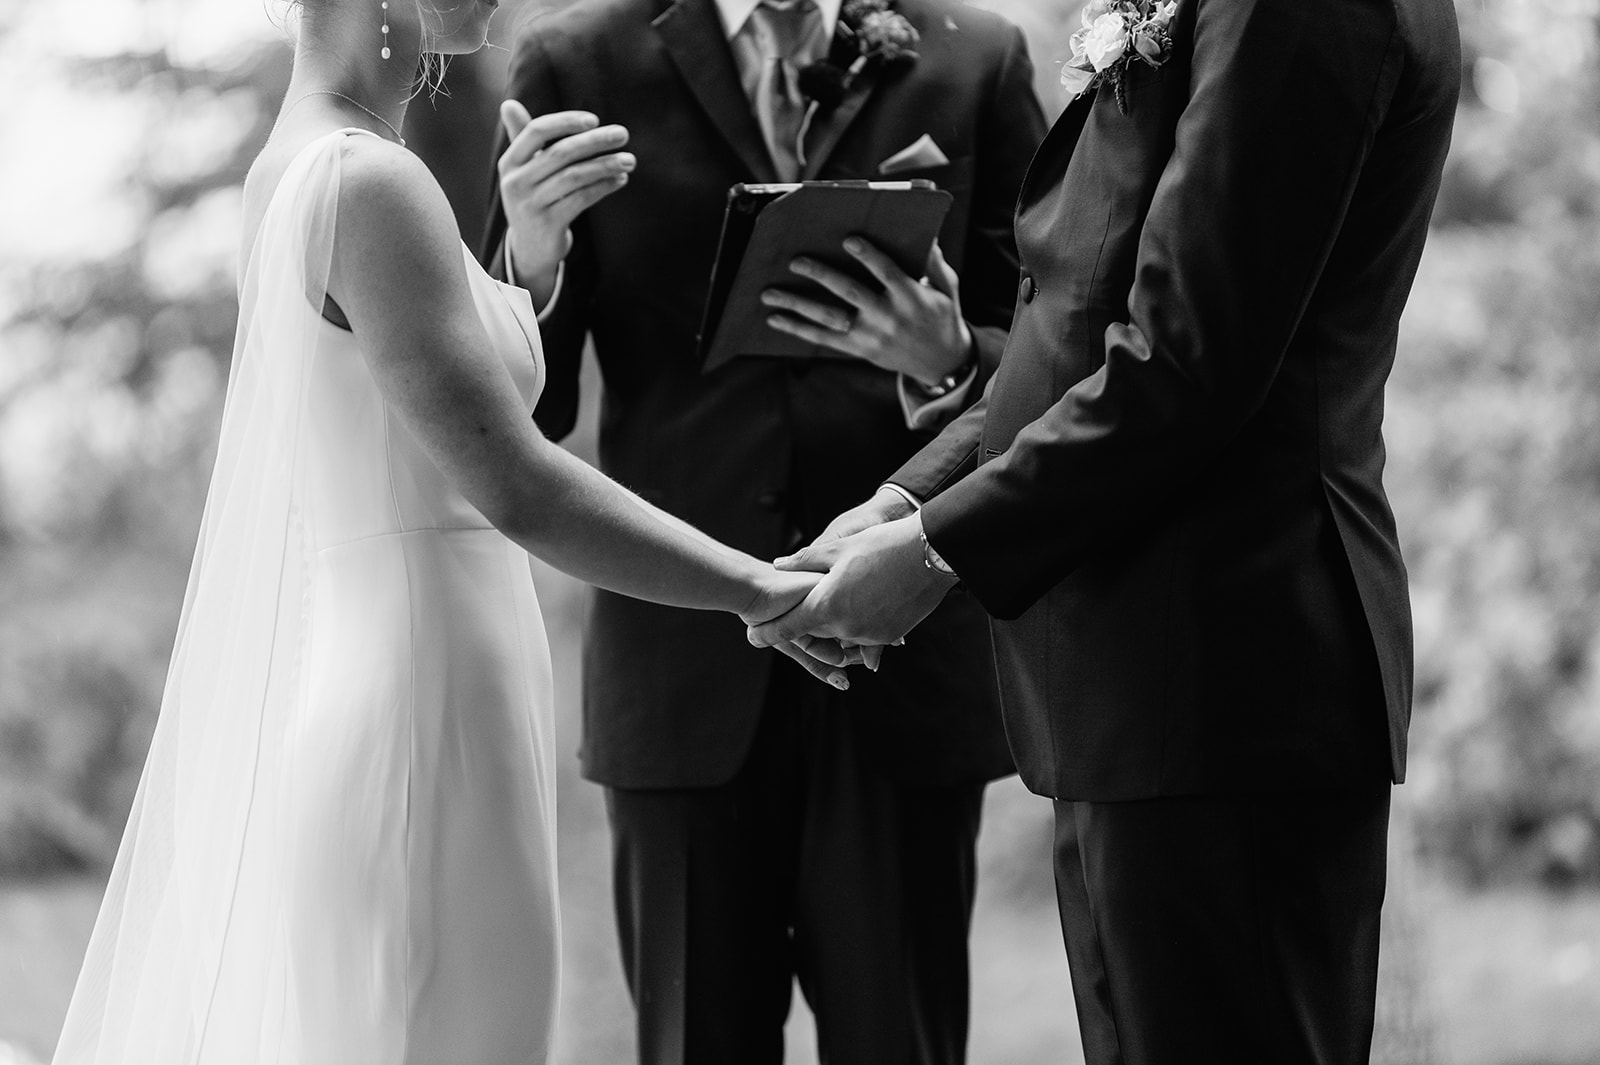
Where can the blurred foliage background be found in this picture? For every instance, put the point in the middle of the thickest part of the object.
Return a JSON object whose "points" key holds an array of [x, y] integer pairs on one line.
{"points": [[120, 167]]}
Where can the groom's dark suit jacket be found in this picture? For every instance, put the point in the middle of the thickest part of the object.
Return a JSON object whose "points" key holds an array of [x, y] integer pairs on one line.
{"points": [[761, 451], [1174, 494]]}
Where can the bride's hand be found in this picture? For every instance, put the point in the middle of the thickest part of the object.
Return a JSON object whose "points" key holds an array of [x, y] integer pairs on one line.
{"points": [[777, 594]]}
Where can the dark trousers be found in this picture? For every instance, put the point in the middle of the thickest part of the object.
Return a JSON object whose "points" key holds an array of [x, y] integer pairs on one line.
{"points": [[808, 865], [1237, 930]]}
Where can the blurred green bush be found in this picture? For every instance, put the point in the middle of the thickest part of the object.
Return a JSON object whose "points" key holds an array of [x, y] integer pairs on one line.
{"points": [[115, 352]]}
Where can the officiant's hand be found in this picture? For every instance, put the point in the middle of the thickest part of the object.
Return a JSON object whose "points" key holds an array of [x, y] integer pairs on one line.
{"points": [[914, 326], [875, 588], [556, 167]]}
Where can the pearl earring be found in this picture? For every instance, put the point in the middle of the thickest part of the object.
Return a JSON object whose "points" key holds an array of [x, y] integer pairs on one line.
{"points": [[385, 6]]}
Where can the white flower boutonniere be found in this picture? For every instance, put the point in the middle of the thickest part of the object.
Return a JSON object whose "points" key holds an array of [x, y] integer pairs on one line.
{"points": [[1116, 34]]}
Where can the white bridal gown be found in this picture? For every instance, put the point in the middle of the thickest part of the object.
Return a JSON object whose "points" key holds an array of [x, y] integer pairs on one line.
{"points": [[342, 851]]}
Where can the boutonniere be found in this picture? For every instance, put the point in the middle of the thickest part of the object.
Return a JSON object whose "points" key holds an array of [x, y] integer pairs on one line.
{"points": [[869, 32], [1115, 35]]}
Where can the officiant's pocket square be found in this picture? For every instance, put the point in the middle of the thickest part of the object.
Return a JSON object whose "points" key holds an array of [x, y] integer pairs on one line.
{"points": [[922, 154]]}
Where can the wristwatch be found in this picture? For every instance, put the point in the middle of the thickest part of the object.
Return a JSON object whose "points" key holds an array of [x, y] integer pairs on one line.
{"points": [[931, 558]]}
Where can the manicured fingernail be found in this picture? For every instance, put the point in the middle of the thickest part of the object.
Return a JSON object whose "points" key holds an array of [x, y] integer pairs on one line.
{"points": [[801, 266], [627, 162], [781, 561], [854, 246], [840, 681]]}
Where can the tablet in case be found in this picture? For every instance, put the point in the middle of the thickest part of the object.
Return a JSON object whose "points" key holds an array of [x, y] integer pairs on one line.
{"points": [[766, 227]]}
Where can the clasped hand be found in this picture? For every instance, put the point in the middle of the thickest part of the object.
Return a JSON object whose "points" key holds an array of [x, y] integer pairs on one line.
{"points": [[874, 586]]}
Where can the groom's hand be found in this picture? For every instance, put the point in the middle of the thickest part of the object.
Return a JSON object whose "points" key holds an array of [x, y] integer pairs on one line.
{"points": [[913, 326], [885, 505], [780, 591], [875, 588]]}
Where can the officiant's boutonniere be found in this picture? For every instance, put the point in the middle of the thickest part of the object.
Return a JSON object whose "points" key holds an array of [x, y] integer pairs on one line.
{"points": [[1115, 35], [868, 32]]}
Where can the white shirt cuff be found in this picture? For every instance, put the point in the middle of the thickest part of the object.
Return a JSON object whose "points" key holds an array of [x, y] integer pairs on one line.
{"points": [[916, 504], [923, 413], [555, 293]]}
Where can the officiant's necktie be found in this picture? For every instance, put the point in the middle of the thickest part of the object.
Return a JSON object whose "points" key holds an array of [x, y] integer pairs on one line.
{"points": [[779, 39]]}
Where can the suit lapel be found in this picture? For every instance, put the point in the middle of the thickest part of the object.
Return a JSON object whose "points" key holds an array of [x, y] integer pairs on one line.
{"points": [[826, 129], [1063, 137], [693, 35]]}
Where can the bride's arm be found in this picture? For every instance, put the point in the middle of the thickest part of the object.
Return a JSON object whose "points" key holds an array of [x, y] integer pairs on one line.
{"points": [[400, 277]]}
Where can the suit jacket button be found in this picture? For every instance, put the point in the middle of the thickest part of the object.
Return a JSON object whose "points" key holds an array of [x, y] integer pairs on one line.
{"points": [[770, 500], [1029, 289]]}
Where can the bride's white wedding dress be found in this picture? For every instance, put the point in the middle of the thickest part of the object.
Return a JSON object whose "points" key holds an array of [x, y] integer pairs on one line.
{"points": [[343, 846]]}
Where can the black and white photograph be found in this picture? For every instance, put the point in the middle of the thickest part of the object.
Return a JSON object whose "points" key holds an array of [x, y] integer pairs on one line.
{"points": [[800, 532]]}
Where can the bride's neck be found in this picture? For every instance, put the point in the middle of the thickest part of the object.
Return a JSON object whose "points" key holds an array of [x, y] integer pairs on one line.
{"points": [[342, 53]]}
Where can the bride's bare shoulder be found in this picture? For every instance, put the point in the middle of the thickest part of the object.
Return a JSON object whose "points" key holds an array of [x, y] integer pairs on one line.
{"points": [[381, 186], [386, 192]]}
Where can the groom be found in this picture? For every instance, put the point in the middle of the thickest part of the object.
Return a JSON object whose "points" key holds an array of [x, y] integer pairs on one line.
{"points": [[1173, 501], [767, 828]]}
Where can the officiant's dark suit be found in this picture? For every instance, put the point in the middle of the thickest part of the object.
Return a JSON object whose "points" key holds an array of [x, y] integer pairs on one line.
{"points": [[746, 799], [1173, 499]]}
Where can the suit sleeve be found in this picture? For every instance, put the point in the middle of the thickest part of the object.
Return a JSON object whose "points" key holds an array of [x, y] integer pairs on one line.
{"points": [[1285, 100], [563, 325], [947, 458], [1012, 125]]}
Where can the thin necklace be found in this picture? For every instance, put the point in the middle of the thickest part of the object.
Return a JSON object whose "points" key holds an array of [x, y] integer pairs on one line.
{"points": [[356, 103]]}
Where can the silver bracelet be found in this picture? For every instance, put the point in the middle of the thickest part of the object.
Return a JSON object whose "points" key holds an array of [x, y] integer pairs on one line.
{"points": [[932, 559]]}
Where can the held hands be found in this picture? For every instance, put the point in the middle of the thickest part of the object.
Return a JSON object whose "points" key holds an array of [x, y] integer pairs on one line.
{"points": [[778, 592], [556, 167], [875, 588], [913, 326], [885, 506]]}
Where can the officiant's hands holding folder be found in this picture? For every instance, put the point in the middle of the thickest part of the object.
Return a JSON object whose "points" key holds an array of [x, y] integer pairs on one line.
{"points": [[913, 326]]}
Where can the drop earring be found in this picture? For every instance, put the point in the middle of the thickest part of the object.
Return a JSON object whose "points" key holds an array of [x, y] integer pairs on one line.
{"points": [[385, 9]]}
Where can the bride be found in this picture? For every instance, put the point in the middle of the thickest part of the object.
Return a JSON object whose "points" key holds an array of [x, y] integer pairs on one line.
{"points": [[342, 849]]}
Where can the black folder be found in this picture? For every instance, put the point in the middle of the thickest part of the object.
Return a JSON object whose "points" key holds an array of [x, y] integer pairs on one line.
{"points": [[767, 226]]}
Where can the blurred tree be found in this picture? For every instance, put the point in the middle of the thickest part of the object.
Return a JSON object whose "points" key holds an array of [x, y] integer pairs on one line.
{"points": [[1496, 460], [114, 364]]}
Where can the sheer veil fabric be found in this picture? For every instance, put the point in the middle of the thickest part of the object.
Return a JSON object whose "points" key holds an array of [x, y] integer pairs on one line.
{"points": [[342, 846]]}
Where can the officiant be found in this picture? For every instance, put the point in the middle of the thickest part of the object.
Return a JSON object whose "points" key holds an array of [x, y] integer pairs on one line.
{"points": [[768, 829]]}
